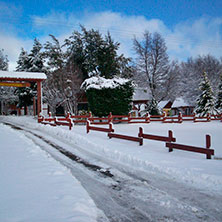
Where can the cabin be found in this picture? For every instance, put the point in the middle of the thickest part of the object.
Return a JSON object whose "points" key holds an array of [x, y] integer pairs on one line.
{"points": [[179, 105]]}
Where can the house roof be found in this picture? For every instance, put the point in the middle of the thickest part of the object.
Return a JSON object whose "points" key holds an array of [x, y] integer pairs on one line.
{"points": [[141, 94], [179, 102], [22, 75], [165, 104]]}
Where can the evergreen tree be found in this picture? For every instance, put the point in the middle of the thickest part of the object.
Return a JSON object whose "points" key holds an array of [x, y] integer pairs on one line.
{"points": [[23, 61], [219, 97], [54, 55], [206, 101], [32, 62], [3, 61], [96, 55], [36, 60]]}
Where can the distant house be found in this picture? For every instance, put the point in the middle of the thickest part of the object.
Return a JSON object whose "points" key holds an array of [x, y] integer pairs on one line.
{"points": [[141, 97], [174, 108], [165, 106], [179, 105]]}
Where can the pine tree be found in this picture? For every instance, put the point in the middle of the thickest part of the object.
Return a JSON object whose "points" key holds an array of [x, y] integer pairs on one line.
{"points": [[36, 63], [54, 55], [23, 61], [206, 100], [32, 62], [219, 97], [96, 55], [3, 61]]}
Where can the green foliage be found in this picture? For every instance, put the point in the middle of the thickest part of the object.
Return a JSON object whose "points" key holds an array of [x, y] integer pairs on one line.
{"points": [[116, 100], [96, 55]]}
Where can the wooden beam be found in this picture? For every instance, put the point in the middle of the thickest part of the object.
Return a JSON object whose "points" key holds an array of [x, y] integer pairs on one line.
{"points": [[15, 84]]}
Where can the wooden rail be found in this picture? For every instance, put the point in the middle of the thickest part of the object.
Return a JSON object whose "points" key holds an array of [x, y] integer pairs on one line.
{"points": [[168, 138], [101, 129], [125, 137], [206, 150]]}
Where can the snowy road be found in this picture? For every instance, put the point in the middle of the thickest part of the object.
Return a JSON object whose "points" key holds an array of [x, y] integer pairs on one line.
{"points": [[124, 194]]}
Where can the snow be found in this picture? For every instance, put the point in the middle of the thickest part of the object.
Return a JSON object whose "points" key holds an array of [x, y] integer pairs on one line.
{"points": [[179, 102], [22, 75], [192, 169], [98, 82], [35, 187], [141, 94]]}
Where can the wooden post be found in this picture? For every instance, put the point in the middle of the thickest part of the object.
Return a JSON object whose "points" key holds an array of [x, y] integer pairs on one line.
{"points": [[147, 119], [208, 117], [87, 126], [208, 144], [39, 97], [170, 134], [110, 117], [164, 116], [140, 132], [129, 117], [111, 127], [34, 107], [194, 118], [180, 118]]}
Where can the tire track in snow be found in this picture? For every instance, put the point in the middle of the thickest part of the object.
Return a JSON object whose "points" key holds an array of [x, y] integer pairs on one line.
{"points": [[125, 196]]}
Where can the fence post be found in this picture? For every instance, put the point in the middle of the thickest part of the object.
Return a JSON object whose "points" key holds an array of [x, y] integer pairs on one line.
{"points": [[194, 118], [208, 117], [170, 134], [208, 144], [129, 117], [87, 126], [110, 117], [147, 118], [111, 127], [180, 118], [140, 132], [164, 116]]}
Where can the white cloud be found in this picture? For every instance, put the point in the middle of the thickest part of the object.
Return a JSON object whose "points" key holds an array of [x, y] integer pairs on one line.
{"points": [[189, 38], [12, 48]]}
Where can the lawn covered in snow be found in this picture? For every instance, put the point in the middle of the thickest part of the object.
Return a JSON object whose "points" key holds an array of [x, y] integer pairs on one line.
{"points": [[35, 187], [190, 168]]}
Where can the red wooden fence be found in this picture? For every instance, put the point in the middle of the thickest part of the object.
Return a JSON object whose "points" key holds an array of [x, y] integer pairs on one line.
{"points": [[206, 150], [125, 137], [168, 138], [88, 128]]}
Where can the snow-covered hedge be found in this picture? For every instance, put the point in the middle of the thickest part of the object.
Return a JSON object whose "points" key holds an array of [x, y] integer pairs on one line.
{"points": [[108, 95], [98, 82]]}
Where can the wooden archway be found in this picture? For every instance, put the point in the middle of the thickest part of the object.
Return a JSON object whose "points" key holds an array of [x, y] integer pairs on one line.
{"points": [[23, 79]]}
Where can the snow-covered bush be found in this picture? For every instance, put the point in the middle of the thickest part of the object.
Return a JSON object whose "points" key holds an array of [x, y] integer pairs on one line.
{"points": [[108, 95]]}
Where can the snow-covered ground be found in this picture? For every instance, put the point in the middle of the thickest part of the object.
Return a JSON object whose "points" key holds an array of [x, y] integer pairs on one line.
{"points": [[35, 187], [189, 168]]}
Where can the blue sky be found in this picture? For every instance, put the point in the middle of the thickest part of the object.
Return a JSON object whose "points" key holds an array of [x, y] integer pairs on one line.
{"points": [[190, 28]]}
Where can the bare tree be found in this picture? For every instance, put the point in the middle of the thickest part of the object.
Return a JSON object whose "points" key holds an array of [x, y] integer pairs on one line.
{"points": [[152, 64], [63, 87]]}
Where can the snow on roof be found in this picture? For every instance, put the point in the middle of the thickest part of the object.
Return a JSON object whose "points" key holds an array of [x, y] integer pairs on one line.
{"points": [[179, 102], [162, 104], [98, 82], [22, 75], [141, 94]]}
